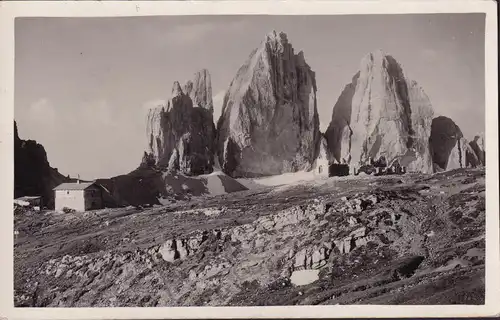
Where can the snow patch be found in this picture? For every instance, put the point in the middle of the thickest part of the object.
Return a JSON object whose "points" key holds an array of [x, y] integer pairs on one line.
{"points": [[287, 178], [303, 277], [215, 186]]}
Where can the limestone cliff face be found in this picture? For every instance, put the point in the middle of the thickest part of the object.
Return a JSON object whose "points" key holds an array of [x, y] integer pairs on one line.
{"points": [[156, 139], [33, 175], [269, 123], [421, 123], [339, 130], [381, 113], [181, 135], [450, 150]]}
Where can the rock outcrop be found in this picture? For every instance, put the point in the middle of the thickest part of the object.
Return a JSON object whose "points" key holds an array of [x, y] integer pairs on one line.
{"points": [[450, 150], [181, 135], [478, 146], [200, 90], [269, 123], [33, 175], [381, 113]]}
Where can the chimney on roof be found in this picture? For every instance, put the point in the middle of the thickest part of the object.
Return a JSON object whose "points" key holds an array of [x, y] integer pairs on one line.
{"points": [[78, 180]]}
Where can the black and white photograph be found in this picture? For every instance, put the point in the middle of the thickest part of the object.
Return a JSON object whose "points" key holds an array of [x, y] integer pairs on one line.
{"points": [[215, 160]]}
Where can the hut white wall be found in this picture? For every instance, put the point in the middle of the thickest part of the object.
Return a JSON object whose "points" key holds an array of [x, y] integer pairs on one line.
{"points": [[73, 199]]}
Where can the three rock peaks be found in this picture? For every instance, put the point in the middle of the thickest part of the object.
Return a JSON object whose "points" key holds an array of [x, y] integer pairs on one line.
{"points": [[269, 123]]}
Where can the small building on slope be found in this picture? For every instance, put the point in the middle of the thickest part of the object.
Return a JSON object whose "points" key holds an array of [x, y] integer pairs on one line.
{"points": [[79, 196], [29, 201]]}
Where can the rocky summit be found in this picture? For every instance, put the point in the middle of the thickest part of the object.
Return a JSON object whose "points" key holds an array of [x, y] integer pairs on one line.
{"points": [[181, 135], [269, 123], [381, 113]]}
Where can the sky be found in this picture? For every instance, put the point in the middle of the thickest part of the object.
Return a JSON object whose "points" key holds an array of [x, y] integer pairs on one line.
{"points": [[83, 85]]}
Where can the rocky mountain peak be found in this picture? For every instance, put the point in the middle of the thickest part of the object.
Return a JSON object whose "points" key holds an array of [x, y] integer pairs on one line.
{"points": [[379, 61], [269, 122], [200, 90], [188, 87], [277, 44], [300, 60], [181, 138], [381, 113], [278, 38], [176, 89], [377, 56]]}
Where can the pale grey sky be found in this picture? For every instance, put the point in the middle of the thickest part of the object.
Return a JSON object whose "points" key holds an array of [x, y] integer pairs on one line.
{"points": [[82, 85]]}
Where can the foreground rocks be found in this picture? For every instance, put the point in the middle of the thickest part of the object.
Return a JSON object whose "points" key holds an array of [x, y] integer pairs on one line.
{"points": [[413, 239], [381, 113], [181, 135], [269, 123]]}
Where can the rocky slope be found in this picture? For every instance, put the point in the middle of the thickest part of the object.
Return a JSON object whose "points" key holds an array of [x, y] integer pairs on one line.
{"points": [[149, 186], [381, 112], [269, 123], [412, 239], [181, 135], [33, 175], [450, 150]]}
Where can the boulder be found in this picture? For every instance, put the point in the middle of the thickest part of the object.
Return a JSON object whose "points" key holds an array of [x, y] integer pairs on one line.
{"points": [[381, 113], [269, 123], [168, 251]]}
